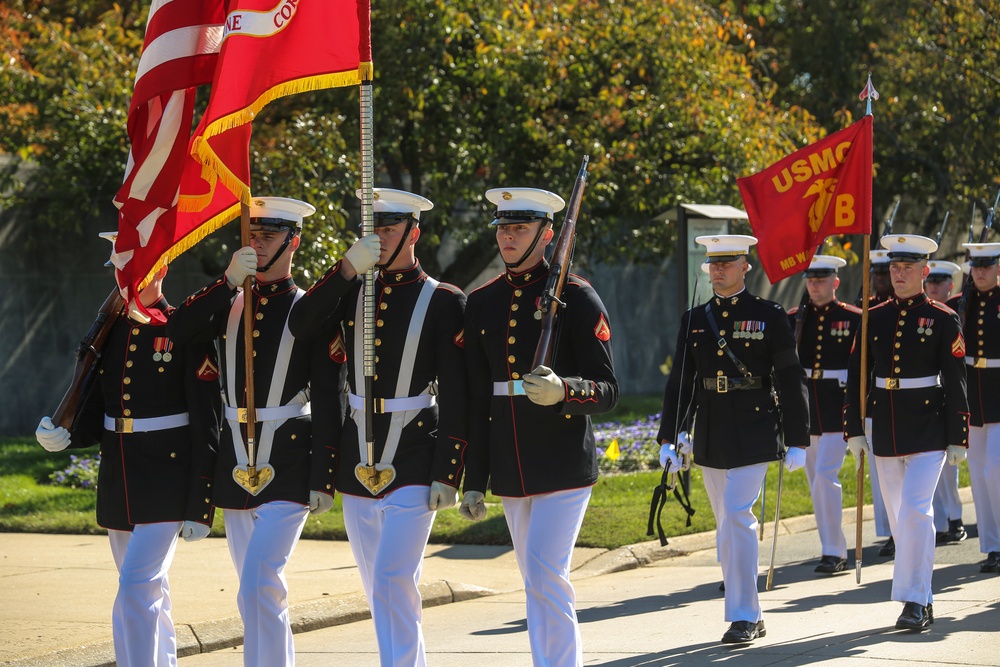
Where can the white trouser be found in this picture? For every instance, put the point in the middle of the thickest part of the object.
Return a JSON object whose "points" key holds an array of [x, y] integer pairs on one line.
{"points": [[824, 459], [732, 494], [908, 484], [261, 541], [947, 504], [882, 528], [984, 472], [544, 529], [141, 624], [388, 536]]}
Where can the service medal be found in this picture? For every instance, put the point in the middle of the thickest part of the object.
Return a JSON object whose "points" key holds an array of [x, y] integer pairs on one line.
{"points": [[167, 356], [157, 356]]}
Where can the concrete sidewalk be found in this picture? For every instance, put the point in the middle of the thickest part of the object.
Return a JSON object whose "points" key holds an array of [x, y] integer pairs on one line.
{"points": [[56, 594]]}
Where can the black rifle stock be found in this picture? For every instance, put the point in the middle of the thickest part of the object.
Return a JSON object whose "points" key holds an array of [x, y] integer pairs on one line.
{"points": [[562, 257], [87, 355]]}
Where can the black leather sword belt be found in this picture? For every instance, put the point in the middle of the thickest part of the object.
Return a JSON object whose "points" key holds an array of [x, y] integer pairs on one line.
{"points": [[723, 384]]}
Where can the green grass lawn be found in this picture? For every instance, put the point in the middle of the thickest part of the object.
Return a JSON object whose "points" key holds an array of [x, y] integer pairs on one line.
{"points": [[617, 515]]}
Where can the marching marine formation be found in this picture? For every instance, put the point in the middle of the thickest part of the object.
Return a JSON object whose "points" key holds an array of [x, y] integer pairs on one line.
{"points": [[295, 454], [948, 524], [982, 366], [530, 435], [734, 350], [826, 329], [419, 403], [155, 412], [916, 391]]}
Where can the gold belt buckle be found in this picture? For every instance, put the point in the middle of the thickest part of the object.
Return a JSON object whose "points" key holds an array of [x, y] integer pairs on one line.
{"points": [[721, 384], [817, 374], [892, 383], [379, 404], [241, 415], [980, 362], [123, 424]]}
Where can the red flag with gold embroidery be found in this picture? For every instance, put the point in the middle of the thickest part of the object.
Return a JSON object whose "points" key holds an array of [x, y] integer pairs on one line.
{"points": [[270, 49], [821, 190]]}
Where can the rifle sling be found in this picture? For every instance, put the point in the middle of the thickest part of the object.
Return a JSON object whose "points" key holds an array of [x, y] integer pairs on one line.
{"points": [[658, 502], [740, 366]]}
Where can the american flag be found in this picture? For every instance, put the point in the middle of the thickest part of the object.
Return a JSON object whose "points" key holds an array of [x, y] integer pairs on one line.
{"points": [[180, 52]]}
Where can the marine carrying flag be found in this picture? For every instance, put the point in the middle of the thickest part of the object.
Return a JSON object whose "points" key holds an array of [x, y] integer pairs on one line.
{"points": [[821, 190], [179, 53], [273, 48]]}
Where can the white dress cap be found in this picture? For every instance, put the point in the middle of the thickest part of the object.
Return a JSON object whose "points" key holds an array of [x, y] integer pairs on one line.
{"points": [[879, 257], [983, 249], [725, 247], [523, 204], [110, 236], [825, 265], [908, 247], [278, 211], [388, 200], [940, 267]]}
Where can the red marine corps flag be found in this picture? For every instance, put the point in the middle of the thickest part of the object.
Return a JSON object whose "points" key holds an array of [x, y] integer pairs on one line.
{"points": [[179, 53], [273, 48], [821, 190]]}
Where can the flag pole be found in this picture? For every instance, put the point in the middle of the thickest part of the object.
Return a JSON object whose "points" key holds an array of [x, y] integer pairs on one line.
{"points": [[869, 93], [251, 407]]}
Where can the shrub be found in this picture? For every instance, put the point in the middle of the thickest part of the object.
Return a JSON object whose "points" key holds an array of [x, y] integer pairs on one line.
{"points": [[81, 473]]}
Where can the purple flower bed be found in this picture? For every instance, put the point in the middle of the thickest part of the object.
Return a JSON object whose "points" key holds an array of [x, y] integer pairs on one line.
{"points": [[81, 473], [637, 446]]}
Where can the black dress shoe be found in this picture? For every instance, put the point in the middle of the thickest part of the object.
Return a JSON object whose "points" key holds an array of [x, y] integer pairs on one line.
{"points": [[992, 562], [956, 531], [915, 617], [941, 538], [743, 632], [888, 550], [831, 565]]}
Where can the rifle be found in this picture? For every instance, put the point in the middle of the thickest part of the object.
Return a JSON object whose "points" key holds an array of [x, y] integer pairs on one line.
{"points": [[937, 239], [963, 301], [886, 230], [88, 353], [562, 257]]}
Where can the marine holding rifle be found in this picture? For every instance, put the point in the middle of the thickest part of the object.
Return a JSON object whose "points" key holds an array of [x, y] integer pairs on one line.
{"points": [[155, 412], [418, 414], [731, 352], [530, 435], [265, 505]]}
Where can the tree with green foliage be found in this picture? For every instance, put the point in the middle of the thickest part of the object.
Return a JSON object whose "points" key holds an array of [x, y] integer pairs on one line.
{"points": [[468, 96]]}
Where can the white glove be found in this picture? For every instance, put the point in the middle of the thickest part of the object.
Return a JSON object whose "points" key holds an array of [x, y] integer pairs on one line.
{"points": [[136, 314], [319, 503], [668, 458], [53, 438], [795, 458], [243, 264], [955, 454], [684, 440], [543, 387], [473, 506], [364, 254], [442, 496], [857, 444], [192, 531]]}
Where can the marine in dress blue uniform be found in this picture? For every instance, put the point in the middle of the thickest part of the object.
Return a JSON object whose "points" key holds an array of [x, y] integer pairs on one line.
{"points": [[737, 426], [294, 447], [982, 366], [530, 435], [938, 285], [155, 412], [420, 420], [828, 328], [917, 397]]}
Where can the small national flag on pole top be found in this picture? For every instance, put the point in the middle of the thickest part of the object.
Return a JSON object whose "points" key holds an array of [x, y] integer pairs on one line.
{"points": [[270, 49], [870, 94], [821, 190]]}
